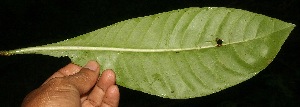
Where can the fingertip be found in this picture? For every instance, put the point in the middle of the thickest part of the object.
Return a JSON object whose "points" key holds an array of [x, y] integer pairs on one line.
{"points": [[107, 79], [92, 65], [112, 96], [109, 73], [113, 91]]}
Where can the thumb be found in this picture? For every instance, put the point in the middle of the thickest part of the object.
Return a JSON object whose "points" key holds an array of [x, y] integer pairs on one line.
{"points": [[86, 78]]}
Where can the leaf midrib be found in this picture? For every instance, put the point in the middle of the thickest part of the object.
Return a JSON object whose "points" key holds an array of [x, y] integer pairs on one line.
{"points": [[91, 48]]}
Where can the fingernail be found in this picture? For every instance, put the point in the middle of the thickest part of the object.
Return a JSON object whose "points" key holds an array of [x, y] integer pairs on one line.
{"points": [[92, 65]]}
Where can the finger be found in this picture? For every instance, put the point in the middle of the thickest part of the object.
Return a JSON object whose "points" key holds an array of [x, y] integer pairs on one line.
{"points": [[65, 90], [86, 78], [69, 69], [106, 80], [112, 97]]}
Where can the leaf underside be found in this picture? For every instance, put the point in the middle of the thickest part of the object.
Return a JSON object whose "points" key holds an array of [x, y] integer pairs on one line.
{"points": [[175, 54]]}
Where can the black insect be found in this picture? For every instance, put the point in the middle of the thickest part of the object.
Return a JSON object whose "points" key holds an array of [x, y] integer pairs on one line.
{"points": [[219, 42]]}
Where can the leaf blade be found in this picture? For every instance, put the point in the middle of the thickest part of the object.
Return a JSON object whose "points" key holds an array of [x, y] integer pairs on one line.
{"points": [[174, 54]]}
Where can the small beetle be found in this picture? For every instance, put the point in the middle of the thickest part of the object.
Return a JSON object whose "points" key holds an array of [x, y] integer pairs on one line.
{"points": [[219, 42]]}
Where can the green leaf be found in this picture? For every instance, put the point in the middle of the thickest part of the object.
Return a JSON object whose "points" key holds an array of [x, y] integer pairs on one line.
{"points": [[179, 54]]}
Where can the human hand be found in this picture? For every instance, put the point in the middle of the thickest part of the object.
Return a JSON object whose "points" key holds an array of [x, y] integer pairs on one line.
{"points": [[71, 86]]}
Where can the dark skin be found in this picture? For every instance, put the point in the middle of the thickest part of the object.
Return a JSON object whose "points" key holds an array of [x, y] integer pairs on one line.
{"points": [[75, 86]]}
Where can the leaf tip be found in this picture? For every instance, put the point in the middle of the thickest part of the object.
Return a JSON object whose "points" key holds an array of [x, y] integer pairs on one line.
{"points": [[5, 53]]}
